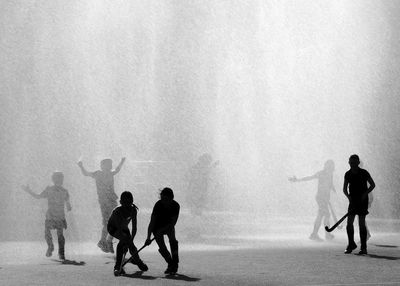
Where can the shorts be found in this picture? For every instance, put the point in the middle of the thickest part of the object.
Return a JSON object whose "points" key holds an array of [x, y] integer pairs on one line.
{"points": [[55, 224], [358, 206]]}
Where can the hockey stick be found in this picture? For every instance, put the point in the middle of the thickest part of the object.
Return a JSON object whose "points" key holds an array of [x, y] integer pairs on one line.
{"points": [[336, 224], [334, 215], [137, 251]]}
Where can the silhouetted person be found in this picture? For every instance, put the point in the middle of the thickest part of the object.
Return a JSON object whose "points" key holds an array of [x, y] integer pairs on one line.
{"points": [[163, 219], [57, 198], [118, 227], [357, 185], [325, 186], [107, 198], [199, 178]]}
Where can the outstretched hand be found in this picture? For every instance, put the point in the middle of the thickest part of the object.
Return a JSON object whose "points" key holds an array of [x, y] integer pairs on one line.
{"points": [[292, 179], [80, 164]]}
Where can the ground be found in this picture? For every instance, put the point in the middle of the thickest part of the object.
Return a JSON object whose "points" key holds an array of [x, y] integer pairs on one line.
{"points": [[279, 259]]}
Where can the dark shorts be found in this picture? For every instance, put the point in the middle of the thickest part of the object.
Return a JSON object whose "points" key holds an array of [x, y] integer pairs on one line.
{"points": [[55, 224], [358, 206]]}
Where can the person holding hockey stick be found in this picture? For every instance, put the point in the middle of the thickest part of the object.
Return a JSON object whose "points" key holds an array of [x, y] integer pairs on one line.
{"points": [[57, 198], [325, 186], [358, 183], [163, 220], [107, 198], [117, 227]]}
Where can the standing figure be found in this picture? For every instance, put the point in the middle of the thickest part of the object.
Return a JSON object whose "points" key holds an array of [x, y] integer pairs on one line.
{"points": [[325, 186], [57, 198], [199, 178], [358, 183], [107, 197], [163, 219], [117, 226]]}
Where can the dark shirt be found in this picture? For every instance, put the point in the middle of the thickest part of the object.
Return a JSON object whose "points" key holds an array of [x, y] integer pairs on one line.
{"points": [[120, 218], [357, 182], [164, 213], [56, 197]]}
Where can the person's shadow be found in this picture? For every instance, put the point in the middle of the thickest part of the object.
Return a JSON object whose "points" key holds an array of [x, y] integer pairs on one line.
{"points": [[70, 262], [181, 277], [139, 275]]}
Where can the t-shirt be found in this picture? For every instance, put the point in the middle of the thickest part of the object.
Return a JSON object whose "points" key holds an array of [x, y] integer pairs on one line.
{"points": [[105, 186], [164, 212], [120, 218], [357, 182], [56, 196]]}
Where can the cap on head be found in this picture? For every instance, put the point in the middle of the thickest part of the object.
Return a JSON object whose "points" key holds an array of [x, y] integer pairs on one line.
{"points": [[126, 198], [168, 193]]}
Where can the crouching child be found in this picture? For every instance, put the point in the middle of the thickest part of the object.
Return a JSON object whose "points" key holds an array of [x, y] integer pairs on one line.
{"points": [[117, 227]]}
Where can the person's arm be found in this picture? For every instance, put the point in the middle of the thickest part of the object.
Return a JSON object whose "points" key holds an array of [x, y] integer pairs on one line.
{"points": [[68, 203], [294, 179], [116, 171], [371, 184], [345, 188], [134, 225], [84, 171], [150, 229], [29, 191]]}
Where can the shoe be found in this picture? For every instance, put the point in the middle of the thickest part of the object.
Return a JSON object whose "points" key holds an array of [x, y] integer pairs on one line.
{"points": [[329, 236], [103, 246], [363, 252], [49, 251], [315, 237], [350, 248], [118, 272], [142, 266], [171, 269]]}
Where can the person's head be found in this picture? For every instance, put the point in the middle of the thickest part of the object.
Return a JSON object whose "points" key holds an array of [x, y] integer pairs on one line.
{"points": [[57, 178], [354, 161], [167, 194], [126, 199], [329, 165], [106, 165]]}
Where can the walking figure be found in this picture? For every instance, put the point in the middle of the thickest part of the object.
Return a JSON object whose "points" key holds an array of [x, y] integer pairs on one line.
{"points": [[57, 198], [325, 186]]}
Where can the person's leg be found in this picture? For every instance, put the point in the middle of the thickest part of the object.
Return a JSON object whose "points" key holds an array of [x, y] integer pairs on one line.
{"points": [[350, 234], [105, 243], [49, 240], [121, 250], [326, 217], [174, 250], [61, 243], [162, 249], [363, 234], [126, 239]]}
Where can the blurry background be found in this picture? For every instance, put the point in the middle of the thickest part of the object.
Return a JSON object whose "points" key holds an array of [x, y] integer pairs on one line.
{"points": [[270, 89]]}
